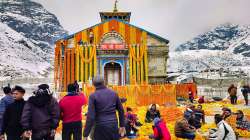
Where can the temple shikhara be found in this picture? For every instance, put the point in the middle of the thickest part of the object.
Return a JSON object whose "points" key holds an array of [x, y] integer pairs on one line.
{"points": [[115, 49]]}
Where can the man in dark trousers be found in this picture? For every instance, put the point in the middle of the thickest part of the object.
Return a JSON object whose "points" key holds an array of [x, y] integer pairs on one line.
{"points": [[102, 113], [12, 116]]}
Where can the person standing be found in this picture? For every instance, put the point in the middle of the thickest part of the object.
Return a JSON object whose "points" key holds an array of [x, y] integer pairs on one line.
{"points": [[232, 90], [12, 116], [5, 101], [103, 104], [71, 113], [41, 114], [245, 91]]}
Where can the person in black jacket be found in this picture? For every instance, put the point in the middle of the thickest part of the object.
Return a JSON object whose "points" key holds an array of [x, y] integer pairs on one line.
{"points": [[12, 116], [41, 114], [152, 113], [245, 91]]}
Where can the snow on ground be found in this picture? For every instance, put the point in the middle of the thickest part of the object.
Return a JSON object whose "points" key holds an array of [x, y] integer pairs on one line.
{"points": [[199, 60], [18, 56]]}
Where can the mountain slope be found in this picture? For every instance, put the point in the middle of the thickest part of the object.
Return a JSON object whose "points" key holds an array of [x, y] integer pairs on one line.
{"points": [[32, 21], [227, 46], [19, 57], [27, 34]]}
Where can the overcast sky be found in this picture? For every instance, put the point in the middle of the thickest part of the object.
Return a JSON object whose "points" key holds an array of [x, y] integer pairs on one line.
{"points": [[176, 20]]}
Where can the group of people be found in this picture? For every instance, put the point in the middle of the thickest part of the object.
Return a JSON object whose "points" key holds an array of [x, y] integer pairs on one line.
{"points": [[39, 116], [232, 91], [193, 119], [159, 128]]}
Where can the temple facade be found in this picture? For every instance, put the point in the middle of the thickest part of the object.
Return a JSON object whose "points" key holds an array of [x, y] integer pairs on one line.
{"points": [[115, 49]]}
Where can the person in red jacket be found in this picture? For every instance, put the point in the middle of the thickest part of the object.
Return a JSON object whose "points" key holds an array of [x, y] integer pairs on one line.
{"points": [[161, 131], [71, 113]]}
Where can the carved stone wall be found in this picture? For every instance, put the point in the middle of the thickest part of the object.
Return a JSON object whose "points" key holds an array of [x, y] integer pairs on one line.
{"points": [[157, 60]]}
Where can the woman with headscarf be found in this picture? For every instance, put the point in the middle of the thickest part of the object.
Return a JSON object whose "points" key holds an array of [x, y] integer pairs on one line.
{"points": [[152, 113]]}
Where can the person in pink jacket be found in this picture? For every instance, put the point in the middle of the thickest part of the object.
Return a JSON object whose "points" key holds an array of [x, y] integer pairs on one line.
{"points": [[161, 131]]}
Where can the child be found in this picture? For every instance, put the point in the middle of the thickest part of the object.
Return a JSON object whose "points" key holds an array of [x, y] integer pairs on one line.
{"points": [[12, 116], [161, 131], [132, 117], [71, 113], [41, 115], [5, 101]]}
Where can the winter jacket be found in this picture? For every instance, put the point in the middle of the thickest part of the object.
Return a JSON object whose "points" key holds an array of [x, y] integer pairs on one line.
{"points": [[71, 107], [182, 126], [245, 90], [243, 123], [40, 112], [232, 91], [224, 132], [161, 131], [151, 115], [4, 102], [102, 109], [11, 120]]}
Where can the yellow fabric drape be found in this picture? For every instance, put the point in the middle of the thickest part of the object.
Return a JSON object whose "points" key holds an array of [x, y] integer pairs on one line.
{"points": [[77, 59], [130, 66], [138, 66], [68, 67], [65, 69], [142, 66], [95, 62], [134, 66], [86, 64], [82, 65], [144, 43], [91, 61], [91, 52], [137, 57]]}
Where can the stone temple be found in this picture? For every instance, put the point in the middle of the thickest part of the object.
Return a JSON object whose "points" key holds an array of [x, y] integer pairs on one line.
{"points": [[115, 49]]}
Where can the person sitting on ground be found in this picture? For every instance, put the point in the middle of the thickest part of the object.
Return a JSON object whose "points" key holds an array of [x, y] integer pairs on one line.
{"points": [[5, 102], [131, 128], [152, 113], [224, 130], [183, 129], [161, 131], [190, 110], [241, 121], [226, 113], [201, 100], [199, 117], [245, 91], [12, 116], [132, 117]]}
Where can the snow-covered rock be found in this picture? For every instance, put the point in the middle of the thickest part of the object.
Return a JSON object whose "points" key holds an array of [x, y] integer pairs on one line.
{"points": [[27, 35], [226, 47], [19, 57]]}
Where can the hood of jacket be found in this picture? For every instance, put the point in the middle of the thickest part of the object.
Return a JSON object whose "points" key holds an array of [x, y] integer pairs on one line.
{"points": [[40, 100]]}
